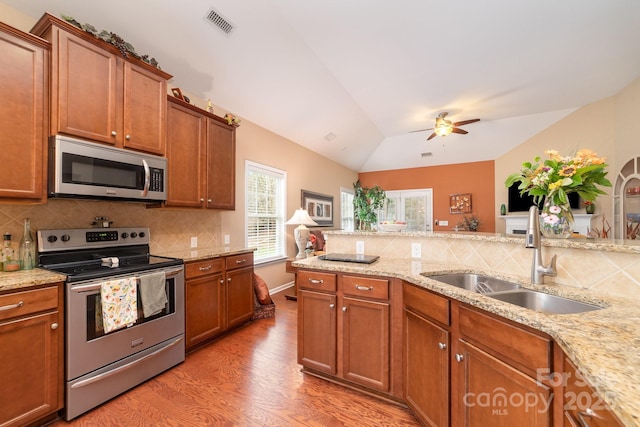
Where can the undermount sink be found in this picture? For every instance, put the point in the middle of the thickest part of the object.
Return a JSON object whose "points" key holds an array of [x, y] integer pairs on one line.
{"points": [[546, 303], [474, 282]]}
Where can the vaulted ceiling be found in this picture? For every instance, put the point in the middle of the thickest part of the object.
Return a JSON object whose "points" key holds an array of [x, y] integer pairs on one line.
{"points": [[368, 72]]}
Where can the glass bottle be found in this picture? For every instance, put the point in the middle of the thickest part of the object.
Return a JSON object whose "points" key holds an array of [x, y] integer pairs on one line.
{"points": [[6, 254], [27, 247]]}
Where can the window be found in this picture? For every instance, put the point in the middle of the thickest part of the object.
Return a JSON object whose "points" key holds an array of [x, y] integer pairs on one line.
{"points": [[346, 209], [265, 211], [415, 207]]}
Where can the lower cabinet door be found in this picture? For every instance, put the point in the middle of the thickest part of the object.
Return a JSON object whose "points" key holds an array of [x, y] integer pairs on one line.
{"points": [[29, 369], [204, 310], [317, 331], [239, 296], [492, 393], [426, 375], [366, 342]]}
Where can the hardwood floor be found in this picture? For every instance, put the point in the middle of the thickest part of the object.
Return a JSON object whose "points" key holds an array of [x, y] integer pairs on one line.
{"points": [[248, 378]]}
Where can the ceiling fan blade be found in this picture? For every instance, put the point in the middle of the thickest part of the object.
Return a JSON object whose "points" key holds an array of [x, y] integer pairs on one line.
{"points": [[461, 131], [431, 136], [420, 130], [466, 122]]}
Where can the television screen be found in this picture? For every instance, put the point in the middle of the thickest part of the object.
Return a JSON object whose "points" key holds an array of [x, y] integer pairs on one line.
{"points": [[519, 203]]}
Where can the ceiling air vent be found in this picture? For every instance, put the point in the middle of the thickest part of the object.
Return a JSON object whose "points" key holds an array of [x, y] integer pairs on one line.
{"points": [[219, 21]]}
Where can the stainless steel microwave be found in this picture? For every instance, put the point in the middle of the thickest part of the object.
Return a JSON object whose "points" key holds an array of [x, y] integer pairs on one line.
{"points": [[81, 169]]}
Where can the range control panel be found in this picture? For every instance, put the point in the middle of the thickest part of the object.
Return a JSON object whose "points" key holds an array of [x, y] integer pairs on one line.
{"points": [[83, 238]]}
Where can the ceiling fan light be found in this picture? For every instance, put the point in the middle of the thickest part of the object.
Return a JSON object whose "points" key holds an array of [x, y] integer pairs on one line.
{"points": [[443, 129]]}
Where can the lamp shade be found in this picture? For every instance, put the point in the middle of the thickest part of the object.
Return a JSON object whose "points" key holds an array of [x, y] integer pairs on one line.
{"points": [[301, 217]]}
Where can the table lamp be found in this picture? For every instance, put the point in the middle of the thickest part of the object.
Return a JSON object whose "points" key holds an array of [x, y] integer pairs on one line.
{"points": [[301, 233]]}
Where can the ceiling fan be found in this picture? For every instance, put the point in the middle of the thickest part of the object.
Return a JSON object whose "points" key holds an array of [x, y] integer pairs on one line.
{"points": [[444, 127]]}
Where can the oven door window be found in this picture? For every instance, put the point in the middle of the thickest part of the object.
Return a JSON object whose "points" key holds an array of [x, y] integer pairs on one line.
{"points": [[95, 328], [99, 172]]}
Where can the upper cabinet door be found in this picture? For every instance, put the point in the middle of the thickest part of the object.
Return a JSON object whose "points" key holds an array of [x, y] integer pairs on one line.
{"points": [[221, 166], [85, 94], [145, 104], [24, 64]]}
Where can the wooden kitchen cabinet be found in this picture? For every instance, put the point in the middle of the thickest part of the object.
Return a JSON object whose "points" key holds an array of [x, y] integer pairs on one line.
{"points": [[344, 329], [24, 112], [582, 405], [463, 366], [201, 156], [219, 296], [98, 94], [496, 371], [31, 355], [426, 352]]}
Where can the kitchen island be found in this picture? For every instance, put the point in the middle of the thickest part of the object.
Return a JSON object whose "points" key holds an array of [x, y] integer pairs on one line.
{"points": [[601, 343]]}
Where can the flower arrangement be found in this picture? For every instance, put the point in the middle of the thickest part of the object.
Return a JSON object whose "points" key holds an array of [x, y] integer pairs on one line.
{"points": [[559, 175], [470, 223]]}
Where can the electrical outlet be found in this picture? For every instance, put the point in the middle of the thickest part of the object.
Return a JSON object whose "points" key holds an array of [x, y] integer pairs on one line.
{"points": [[194, 242], [416, 250], [359, 247], [443, 223], [227, 239]]}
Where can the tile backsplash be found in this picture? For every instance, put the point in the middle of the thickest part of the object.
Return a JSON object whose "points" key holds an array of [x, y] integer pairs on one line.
{"points": [[171, 230]]}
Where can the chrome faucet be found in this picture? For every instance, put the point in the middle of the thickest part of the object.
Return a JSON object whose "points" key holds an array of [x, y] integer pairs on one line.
{"points": [[538, 269]]}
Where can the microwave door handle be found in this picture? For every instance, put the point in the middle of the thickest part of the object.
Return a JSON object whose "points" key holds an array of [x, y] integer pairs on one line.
{"points": [[147, 178]]}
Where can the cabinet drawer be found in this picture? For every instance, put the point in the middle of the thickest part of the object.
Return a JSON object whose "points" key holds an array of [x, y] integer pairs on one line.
{"points": [[317, 281], [580, 400], [28, 302], [202, 268], [427, 303], [365, 287], [512, 342], [239, 261]]}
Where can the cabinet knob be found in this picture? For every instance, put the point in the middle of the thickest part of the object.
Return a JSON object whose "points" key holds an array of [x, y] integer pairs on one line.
{"points": [[202, 200], [54, 326], [222, 281], [459, 357], [208, 200], [344, 309], [114, 133], [442, 346], [332, 306], [127, 137]]}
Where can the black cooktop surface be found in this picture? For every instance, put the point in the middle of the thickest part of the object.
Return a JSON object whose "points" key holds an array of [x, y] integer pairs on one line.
{"points": [[358, 258]]}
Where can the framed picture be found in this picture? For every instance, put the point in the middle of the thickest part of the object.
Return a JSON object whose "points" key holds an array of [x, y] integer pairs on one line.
{"points": [[460, 203], [177, 93], [319, 207]]}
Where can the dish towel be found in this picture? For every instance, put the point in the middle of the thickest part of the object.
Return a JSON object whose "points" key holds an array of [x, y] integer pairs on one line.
{"points": [[119, 303], [152, 293]]}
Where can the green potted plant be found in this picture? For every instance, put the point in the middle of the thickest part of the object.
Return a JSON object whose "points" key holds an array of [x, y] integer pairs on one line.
{"points": [[365, 203]]}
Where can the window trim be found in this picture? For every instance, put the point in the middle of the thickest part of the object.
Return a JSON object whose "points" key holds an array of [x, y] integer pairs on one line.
{"points": [[251, 166]]}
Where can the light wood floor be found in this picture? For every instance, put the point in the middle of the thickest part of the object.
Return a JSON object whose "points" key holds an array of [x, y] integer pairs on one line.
{"points": [[248, 378]]}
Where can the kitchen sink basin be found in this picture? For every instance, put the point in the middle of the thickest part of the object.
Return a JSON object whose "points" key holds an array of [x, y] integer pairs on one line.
{"points": [[542, 302], [474, 282]]}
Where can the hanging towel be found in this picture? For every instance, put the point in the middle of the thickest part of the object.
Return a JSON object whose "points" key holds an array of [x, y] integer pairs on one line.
{"points": [[152, 293], [119, 303]]}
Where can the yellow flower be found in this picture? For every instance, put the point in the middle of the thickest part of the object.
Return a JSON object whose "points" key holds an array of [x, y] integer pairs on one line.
{"points": [[567, 171]]}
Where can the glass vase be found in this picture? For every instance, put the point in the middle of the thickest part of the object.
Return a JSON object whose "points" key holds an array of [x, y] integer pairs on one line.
{"points": [[556, 220]]}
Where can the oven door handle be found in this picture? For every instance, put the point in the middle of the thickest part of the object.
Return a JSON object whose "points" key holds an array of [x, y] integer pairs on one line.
{"points": [[125, 367], [96, 286]]}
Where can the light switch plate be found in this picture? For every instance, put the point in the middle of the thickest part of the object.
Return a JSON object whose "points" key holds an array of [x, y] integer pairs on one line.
{"points": [[227, 239], [443, 223], [359, 247], [194, 242]]}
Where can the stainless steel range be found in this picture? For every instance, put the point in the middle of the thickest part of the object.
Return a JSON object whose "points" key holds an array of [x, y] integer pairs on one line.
{"points": [[124, 310]]}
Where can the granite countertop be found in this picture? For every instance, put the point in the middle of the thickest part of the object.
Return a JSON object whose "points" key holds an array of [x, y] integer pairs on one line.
{"points": [[602, 343], [16, 280], [206, 253]]}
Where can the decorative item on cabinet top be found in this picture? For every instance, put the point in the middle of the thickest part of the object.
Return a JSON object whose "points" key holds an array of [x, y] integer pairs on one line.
{"points": [[231, 119], [123, 46]]}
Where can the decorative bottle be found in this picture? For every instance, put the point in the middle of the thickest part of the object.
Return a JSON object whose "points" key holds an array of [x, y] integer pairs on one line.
{"points": [[27, 247], [6, 254]]}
